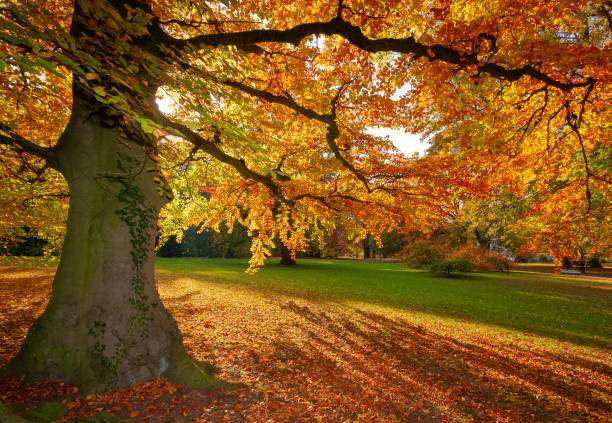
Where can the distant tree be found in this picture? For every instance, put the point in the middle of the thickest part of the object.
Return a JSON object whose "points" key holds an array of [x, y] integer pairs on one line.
{"points": [[287, 259], [367, 246], [392, 243], [337, 241], [448, 267], [23, 242], [171, 248]]}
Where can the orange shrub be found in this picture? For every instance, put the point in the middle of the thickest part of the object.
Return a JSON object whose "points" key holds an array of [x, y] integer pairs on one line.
{"points": [[422, 253], [483, 259]]}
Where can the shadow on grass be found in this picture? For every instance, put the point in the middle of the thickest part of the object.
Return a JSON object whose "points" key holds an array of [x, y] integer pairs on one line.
{"points": [[559, 308], [472, 380]]}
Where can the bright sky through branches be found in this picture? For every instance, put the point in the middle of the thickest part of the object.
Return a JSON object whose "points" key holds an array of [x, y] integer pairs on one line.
{"points": [[407, 143]]}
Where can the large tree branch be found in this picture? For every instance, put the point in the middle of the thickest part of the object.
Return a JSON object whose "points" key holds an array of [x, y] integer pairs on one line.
{"points": [[10, 138], [332, 134], [338, 26], [278, 99], [328, 119], [212, 148]]}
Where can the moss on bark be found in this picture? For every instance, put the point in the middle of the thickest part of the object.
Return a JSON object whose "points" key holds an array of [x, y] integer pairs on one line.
{"points": [[48, 412], [6, 416]]}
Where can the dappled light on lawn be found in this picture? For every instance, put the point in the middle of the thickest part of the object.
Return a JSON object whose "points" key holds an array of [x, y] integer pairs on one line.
{"points": [[306, 358]]}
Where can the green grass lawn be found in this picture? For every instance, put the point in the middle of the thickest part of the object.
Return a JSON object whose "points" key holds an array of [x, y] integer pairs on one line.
{"points": [[365, 341], [575, 310]]}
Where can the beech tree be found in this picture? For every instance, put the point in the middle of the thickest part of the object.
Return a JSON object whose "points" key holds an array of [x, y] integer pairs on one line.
{"points": [[271, 102]]}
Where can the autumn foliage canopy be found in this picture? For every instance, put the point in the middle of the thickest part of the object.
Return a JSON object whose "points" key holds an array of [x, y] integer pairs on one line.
{"points": [[267, 107], [260, 112]]}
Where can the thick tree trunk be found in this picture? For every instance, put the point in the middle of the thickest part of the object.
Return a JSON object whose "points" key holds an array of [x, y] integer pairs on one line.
{"points": [[105, 326], [286, 258]]}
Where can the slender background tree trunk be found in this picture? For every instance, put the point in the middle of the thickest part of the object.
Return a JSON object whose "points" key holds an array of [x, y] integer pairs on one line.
{"points": [[366, 247], [286, 258]]}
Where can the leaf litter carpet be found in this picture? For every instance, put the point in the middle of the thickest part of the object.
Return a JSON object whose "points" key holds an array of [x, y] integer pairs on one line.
{"points": [[305, 360]]}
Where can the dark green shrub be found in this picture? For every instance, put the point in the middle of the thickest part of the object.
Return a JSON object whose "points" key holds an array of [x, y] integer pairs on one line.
{"points": [[448, 267], [594, 262], [23, 242], [209, 243]]}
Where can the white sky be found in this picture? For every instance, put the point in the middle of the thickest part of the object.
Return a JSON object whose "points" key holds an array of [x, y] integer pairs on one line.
{"points": [[407, 143]]}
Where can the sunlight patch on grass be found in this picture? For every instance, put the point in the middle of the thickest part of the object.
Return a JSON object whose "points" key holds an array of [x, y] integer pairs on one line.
{"points": [[551, 297], [545, 305]]}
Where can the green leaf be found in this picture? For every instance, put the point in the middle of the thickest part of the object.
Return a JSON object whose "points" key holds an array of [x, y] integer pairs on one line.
{"points": [[145, 124], [99, 91], [35, 46], [49, 67]]}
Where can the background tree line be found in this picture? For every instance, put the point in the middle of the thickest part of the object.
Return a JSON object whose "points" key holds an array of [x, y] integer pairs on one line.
{"points": [[207, 242]]}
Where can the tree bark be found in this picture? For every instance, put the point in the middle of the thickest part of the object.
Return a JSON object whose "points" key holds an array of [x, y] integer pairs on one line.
{"points": [[582, 261], [482, 240], [6, 416], [105, 325], [366, 247], [286, 258]]}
